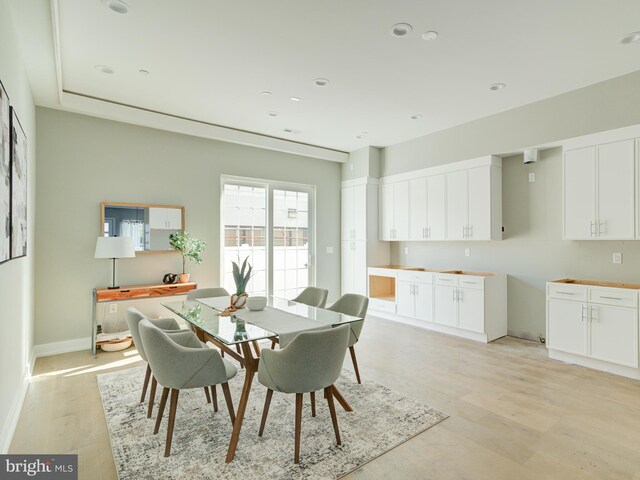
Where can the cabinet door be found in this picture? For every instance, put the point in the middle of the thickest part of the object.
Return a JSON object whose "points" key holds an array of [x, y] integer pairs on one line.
{"points": [[158, 218], [174, 218], [405, 299], [446, 308], [359, 255], [471, 309], [479, 180], [457, 205], [567, 326], [579, 194], [423, 294], [359, 212], [347, 209], [436, 211], [613, 335], [401, 210], [386, 211], [347, 267], [616, 186], [418, 209]]}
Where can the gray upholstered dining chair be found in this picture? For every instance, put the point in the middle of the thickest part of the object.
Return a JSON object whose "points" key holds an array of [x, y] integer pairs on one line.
{"points": [[169, 325], [313, 296], [356, 306], [312, 361], [207, 293], [181, 366]]}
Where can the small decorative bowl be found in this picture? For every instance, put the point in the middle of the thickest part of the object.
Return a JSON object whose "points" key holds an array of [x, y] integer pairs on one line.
{"points": [[256, 303]]}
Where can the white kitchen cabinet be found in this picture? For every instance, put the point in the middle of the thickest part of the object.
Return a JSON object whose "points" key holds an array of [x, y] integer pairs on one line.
{"points": [[165, 218], [354, 212], [599, 192], [354, 267], [471, 309], [436, 207], [446, 305], [418, 224], [457, 201], [594, 324], [395, 211], [405, 299], [414, 293]]}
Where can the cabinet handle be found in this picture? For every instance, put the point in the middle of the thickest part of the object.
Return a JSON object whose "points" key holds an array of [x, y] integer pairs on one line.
{"points": [[584, 313], [567, 293], [415, 289], [594, 311], [428, 232], [470, 283], [602, 228], [464, 232], [592, 228], [470, 231], [460, 295], [611, 298], [453, 291]]}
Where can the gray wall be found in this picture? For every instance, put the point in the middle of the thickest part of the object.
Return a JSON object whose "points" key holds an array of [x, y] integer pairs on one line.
{"points": [[532, 251], [87, 160], [16, 276]]}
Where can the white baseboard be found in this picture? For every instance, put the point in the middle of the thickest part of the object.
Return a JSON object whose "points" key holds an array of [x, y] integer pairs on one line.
{"points": [[588, 362], [54, 348], [9, 428]]}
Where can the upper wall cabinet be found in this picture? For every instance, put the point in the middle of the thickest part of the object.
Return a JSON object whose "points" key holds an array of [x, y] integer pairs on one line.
{"points": [[458, 201], [599, 192]]}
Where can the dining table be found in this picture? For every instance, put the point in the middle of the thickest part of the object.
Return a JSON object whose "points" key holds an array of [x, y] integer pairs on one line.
{"points": [[237, 335]]}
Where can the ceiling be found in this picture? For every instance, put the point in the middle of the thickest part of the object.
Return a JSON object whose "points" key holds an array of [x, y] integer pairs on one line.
{"points": [[209, 60]]}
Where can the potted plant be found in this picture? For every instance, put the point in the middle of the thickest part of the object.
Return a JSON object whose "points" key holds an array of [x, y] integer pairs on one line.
{"points": [[241, 276], [188, 247]]}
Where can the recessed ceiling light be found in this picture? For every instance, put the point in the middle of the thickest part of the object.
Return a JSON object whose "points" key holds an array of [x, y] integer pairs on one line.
{"points": [[497, 86], [265, 93], [273, 114], [362, 134], [144, 72], [291, 130], [321, 82], [416, 116], [630, 38], [401, 29], [117, 6], [104, 69], [430, 35], [295, 99]]}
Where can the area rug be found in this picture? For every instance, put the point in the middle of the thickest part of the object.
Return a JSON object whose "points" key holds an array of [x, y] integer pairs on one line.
{"points": [[380, 421]]}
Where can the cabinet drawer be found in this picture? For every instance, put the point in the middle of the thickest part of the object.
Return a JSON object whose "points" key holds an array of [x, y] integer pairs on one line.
{"points": [[125, 294], [383, 272], [382, 305], [567, 292], [413, 276], [614, 296], [467, 281], [446, 279]]}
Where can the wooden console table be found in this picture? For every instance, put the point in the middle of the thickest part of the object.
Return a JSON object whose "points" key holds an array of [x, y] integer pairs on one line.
{"points": [[134, 292]]}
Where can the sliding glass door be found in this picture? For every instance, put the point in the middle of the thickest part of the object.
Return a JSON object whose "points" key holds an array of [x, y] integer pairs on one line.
{"points": [[272, 225]]}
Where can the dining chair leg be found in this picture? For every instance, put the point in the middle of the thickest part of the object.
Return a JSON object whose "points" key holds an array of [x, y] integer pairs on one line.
{"points": [[332, 410], [206, 392], [313, 404], [214, 395], [172, 420], [352, 351], [296, 457], [273, 344], [163, 403], [147, 375], [341, 400], [265, 411], [227, 399], [152, 396]]}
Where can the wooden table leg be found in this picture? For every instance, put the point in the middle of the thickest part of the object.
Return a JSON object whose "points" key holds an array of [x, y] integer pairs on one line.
{"points": [[251, 366], [341, 400], [256, 347]]}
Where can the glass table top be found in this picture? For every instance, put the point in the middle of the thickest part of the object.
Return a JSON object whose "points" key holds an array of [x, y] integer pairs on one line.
{"points": [[279, 317]]}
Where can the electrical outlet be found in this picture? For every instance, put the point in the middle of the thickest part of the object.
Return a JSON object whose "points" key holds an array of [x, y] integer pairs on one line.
{"points": [[406, 250], [113, 308], [467, 252], [329, 250], [617, 258], [532, 177], [351, 166]]}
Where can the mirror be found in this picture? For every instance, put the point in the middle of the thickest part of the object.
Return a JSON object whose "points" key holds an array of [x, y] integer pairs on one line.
{"points": [[148, 225]]}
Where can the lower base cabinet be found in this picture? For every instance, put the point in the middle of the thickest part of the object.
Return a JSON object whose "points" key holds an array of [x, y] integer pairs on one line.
{"points": [[594, 325]]}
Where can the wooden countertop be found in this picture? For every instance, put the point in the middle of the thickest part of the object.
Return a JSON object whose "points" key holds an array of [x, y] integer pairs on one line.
{"points": [[597, 283]]}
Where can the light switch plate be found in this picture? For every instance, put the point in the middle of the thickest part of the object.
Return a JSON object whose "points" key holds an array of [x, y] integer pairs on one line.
{"points": [[532, 177], [467, 252], [617, 258], [113, 308], [406, 250], [329, 250]]}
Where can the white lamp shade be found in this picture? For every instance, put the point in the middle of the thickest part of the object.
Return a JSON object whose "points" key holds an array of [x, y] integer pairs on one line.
{"points": [[115, 247]]}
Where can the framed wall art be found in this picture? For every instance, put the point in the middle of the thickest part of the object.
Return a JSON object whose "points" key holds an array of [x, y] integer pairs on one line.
{"points": [[18, 188], [5, 178]]}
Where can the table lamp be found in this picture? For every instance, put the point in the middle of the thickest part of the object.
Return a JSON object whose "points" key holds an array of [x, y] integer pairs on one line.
{"points": [[114, 247]]}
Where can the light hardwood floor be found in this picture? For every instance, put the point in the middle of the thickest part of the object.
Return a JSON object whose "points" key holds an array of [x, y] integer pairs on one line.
{"points": [[514, 414]]}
